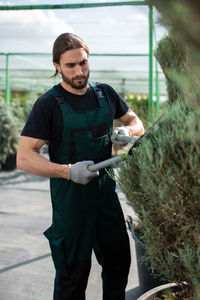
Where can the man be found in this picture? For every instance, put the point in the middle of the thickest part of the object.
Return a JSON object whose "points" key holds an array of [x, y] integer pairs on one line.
{"points": [[76, 117]]}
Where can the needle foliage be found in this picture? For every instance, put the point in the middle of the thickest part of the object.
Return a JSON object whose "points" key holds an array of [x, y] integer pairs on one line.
{"points": [[162, 178], [9, 132]]}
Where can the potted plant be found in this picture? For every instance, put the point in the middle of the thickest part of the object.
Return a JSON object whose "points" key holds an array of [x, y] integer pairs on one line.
{"points": [[173, 291], [161, 178], [171, 56], [9, 138], [161, 183], [148, 278]]}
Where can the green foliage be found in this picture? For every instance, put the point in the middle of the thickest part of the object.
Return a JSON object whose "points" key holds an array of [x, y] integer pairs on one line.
{"points": [[139, 104], [27, 106], [162, 184], [9, 134], [22, 97], [21, 106], [162, 178], [18, 112], [171, 56], [191, 261], [182, 18], [12, 121]]}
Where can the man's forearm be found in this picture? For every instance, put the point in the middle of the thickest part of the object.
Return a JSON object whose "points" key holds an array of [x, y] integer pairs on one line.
{"points": [[134, 124], [35, 163], [136, 127]]}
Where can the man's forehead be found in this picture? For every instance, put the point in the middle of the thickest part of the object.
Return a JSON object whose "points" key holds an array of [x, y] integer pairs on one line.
{"points": [[74, 55]]}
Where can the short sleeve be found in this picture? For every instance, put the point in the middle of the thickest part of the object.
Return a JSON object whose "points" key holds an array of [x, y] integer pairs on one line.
{"points": [[39, 121], [117, 106]]}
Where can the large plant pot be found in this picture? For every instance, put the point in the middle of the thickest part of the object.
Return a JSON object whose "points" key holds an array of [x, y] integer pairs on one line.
{"points": [[147, 280], [150, 295], [10, 163]]}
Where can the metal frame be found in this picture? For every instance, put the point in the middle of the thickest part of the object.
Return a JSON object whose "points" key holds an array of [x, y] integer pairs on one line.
{"points": [[90, 5], [70, 6]]}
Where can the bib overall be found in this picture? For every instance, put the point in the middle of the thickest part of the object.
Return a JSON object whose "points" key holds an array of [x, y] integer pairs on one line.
{"points": [[87, 217]]}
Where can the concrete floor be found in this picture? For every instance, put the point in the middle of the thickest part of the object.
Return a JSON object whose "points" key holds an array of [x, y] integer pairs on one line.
{"points": [[26, 268]]}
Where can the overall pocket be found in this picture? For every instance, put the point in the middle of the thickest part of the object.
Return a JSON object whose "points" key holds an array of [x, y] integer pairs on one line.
{"points": [[90, 144]]}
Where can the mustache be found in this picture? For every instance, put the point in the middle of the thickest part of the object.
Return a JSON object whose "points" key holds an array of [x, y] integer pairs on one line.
{"points": [[79, 77]]}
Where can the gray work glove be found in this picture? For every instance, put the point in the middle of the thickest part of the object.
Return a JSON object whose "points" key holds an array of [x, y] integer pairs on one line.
{"points": [[79, 172], [123, 130]]}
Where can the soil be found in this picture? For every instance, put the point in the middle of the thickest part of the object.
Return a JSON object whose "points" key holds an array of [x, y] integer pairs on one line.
{"points": [[176, 293]]}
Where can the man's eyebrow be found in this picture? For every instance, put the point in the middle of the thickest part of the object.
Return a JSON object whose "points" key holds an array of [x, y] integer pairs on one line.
{"points": [[70, 64], [74, 63]]}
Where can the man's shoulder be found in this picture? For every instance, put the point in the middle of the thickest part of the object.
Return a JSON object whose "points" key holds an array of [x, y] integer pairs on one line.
{"points": [[108, 90], [46, 99], [103, 86]]}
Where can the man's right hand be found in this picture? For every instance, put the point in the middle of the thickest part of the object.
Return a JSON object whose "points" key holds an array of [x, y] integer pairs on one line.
{"points": [[79, 172], [123, 130]]}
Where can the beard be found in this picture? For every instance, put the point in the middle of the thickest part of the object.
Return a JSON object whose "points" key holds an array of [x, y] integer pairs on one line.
{"points": [[76, 85]]}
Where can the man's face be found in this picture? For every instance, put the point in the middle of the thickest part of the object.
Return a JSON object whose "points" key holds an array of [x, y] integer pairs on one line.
{"points": [[74, 69]]}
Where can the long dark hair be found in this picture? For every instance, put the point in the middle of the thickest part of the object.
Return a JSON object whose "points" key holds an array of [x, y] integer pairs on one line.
{"points": [[64, 42]]}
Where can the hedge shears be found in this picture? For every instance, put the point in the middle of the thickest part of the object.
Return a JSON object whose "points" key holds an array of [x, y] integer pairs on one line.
{"points": [[135, 141]]}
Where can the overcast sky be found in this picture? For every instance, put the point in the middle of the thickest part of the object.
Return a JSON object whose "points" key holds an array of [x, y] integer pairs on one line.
{"points": [[122, 29]]}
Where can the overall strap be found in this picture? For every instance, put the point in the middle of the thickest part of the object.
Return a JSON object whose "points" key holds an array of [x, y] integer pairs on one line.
{"points": [[97, 90], [57, 95], [60, 98]]}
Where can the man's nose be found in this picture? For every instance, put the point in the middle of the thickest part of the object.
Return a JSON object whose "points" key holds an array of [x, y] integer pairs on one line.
{"points": [[78, 70]]}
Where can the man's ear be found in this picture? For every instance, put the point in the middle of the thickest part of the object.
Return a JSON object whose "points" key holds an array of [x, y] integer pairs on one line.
{"points": [[57, 66]]}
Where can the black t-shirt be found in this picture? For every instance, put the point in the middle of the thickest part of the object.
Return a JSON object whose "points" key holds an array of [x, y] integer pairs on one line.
{"points": [[45, 119]]}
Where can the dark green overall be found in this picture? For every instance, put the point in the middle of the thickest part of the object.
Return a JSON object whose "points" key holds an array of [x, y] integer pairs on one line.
{"points": [[87, 217]]}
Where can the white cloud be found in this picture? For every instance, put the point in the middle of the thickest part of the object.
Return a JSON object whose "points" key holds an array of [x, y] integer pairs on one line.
{"points": [[37, 26], [143, 18], [111, 23], [31, 23]]}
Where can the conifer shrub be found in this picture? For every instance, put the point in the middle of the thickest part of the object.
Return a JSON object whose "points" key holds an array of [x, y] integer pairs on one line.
{"points": [[171, 55], [27, 107], [188, 257], [18, 113], [9, 133], [182, 19], [162, 178], [162, 184]]}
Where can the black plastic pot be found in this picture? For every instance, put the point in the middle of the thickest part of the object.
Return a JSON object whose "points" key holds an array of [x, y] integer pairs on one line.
{"points": [[147, 279], [10, 163]]}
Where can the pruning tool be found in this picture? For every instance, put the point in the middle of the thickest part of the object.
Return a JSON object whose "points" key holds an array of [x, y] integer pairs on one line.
{"points": [[118, 158]]}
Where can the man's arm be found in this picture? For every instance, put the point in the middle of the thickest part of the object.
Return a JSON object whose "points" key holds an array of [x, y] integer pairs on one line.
{"points": [[29, 160], [134, 124]]}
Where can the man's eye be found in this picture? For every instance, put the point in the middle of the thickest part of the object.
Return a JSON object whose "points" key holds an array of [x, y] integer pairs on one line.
{"points": [[83, 62]]}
